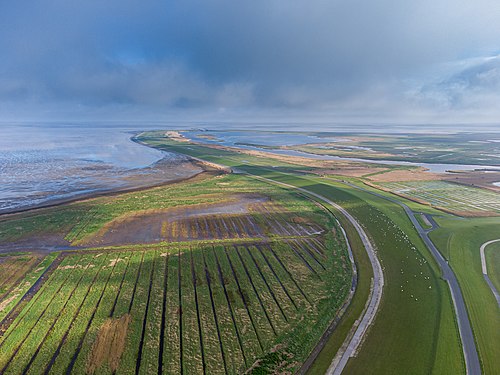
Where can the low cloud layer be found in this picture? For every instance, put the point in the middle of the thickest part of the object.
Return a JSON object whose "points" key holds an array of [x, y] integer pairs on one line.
{"points": [[346, 59]]}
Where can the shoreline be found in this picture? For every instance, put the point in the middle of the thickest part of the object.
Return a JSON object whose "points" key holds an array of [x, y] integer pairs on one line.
{"points": [[51, 203], [96, 194]]}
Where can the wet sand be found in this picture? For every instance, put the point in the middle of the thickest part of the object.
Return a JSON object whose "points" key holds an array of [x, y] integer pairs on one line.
{"points": [[164, 172]]}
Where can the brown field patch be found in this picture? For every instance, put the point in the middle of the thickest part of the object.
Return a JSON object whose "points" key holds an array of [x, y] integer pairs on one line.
{"points": [[109, 344], [419, 174], [8, 300], [351, 171], [13, 270], [174, 224]]}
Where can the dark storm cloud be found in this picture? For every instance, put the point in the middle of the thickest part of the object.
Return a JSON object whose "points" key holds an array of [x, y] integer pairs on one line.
{"points": [[328, 55]]}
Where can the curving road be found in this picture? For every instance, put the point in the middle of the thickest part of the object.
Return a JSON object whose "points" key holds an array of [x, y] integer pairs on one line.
{"points": [[352, 343], [485, 270], [472, 363]]}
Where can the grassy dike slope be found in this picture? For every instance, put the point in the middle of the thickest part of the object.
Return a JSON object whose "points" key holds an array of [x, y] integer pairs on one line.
{"points": [[459, 240], [414, 330]]}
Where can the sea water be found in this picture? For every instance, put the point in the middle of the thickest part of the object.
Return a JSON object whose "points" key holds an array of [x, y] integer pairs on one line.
{"points": [[42, 163]]}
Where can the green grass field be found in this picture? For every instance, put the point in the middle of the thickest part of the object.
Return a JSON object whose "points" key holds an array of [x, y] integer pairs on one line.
{"points": [[232, 302], [411, 314], [416, 309], [493, 263], [208, 305], [205, 309], [459, 240]]}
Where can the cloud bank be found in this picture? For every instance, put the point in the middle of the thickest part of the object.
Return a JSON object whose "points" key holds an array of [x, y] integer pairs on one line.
{"points": [[347, 59]]}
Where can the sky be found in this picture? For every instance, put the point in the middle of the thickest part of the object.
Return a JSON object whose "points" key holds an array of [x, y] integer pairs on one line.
{"points": [[337, 60]]}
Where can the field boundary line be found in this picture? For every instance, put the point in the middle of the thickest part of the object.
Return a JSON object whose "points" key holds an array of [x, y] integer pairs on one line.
{"points": [[243, 299], [214, 311], [255, 290], [230, 308]]}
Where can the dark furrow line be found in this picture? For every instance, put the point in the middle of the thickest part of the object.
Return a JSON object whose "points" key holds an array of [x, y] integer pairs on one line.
{"points": [[225, 226], [243, 299], [217, 229], [303, 229], [33, 304], [221, 280], [145, 319], [222, 227], [113, 307], [265, 281], [179, 230], [16, 281], [294, 228], [217, 226], [53, 323], [10, 267], [289, 273], [170, 231], [256, 229], [276, 225], [163, 317], [198, 230], [209, 234], [234, 227], [306, 249], [321, 248], [203, 234], [63, 340], [28, 296], [135, 284], [247, 226], [244, 227], [302, 258], [89, 323], [255, 290], [283, 219], [236, 230], [313, 246], [207, 276], [276, 277], [33, 357], [272, 217], [179, 278], [187, 228], [213, 221], [289, 225], [193, 274], [241, 227]]}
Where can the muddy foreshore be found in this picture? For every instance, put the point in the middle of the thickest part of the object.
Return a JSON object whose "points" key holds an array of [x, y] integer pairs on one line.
{"points": [[155, 175]]}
